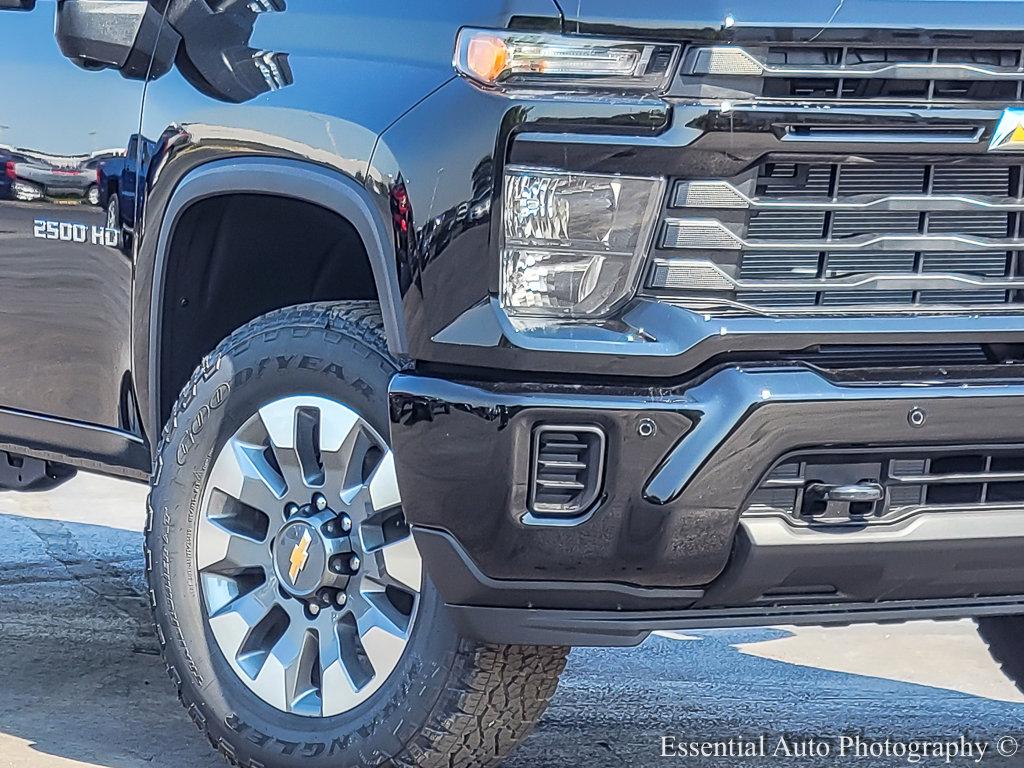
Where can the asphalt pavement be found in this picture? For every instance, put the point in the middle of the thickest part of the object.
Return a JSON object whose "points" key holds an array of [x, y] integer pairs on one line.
{"points": [[81, 684]]}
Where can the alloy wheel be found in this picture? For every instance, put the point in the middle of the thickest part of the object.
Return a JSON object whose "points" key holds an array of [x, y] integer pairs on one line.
{"points": [[310, 575]]}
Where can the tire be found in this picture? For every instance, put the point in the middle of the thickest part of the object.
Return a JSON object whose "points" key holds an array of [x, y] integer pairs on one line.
{"points": [[92, 195], [449, 701], [114, 214], [1004, 636]]}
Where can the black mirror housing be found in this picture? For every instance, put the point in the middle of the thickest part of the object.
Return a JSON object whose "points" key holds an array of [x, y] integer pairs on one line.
{"points": [[124, 35]]}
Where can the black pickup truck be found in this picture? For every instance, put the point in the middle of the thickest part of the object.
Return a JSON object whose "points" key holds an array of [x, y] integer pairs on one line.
{"points": [[454, 334]]}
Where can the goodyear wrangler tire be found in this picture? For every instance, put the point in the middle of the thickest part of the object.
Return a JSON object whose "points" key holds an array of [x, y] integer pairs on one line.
{"points": [[292, 610]]}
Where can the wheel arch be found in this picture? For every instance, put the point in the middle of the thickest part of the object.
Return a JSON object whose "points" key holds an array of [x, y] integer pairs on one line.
{"points": [[291, 179]]}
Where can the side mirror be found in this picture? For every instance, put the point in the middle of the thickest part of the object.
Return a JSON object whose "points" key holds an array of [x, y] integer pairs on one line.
{"points": [[115, 34]]}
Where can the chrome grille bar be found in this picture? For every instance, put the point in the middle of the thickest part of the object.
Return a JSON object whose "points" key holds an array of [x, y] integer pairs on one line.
{"points": [[733, 61], [705, 276], [722, 194], [711, 234], [866, 234]]}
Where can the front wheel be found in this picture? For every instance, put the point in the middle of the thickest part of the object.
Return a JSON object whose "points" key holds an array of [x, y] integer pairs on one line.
{"points": [[293, 611]]}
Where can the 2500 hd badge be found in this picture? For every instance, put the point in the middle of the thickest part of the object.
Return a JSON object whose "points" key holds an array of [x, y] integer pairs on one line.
{"points": [[76, 233]]}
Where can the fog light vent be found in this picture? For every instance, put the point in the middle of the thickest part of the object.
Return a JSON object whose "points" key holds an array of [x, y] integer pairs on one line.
{"points": [[568, 469]]}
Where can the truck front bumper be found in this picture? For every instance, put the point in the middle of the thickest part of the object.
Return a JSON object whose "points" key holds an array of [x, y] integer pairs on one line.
{"points": [[666, 545]]}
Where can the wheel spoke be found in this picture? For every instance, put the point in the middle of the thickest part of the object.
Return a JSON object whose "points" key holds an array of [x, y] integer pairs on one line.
{"points": [[339, 691], [234, 623], [376, 612], [243, 472], [281, 421], [291, 470], [303, 433], [383, 649], [223, 551], [221, 589], [402, 562], [343, 449], [383, 484], [285, 678]]}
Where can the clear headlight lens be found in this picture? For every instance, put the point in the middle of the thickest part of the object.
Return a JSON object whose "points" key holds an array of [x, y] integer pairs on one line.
{"points": [[508, 57], [573, 243]]}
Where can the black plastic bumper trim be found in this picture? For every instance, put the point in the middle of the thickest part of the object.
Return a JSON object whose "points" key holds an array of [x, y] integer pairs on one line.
{"points": [[461, 581], [624, 629], [470, 442]]}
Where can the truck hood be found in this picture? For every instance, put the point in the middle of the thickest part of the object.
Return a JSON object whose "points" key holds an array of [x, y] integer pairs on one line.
{"points": [[790, 21]]}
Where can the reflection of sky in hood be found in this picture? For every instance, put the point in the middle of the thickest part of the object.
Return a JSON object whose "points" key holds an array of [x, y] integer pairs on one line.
{"points": [[42, 92]]}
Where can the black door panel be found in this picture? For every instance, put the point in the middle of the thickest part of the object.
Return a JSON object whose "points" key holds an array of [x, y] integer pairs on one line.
{"points": [[65, 282]]}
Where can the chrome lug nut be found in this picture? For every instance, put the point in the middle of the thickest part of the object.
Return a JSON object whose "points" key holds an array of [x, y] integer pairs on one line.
{"points": [[314, 608], [340, 599], [291, 509], [345, 522], [338, 566], [320, 502], [354, 563]]}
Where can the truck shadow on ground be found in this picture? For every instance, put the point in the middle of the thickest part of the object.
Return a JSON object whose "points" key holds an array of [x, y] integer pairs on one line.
{"points": [[81, 679]]}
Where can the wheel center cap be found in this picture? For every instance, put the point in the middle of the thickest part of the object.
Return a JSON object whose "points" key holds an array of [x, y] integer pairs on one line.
{"points": [[300, 557]]}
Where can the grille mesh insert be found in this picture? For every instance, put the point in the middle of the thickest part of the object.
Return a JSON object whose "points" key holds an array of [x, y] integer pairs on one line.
{"points": [[889, 235], [913, 483], [862, 73]]}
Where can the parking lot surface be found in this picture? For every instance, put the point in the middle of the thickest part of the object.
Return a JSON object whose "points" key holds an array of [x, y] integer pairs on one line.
{"points": [[82, 684]]}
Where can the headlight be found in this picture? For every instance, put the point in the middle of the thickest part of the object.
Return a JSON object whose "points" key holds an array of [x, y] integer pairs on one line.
{"points": [[573, 243], [510, 58]]}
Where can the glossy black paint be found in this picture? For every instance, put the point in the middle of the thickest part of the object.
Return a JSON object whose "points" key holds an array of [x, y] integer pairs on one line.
{"points": [[363, 95], [65, 307], [491, 426], [76, 318], [670, 511], [344, 90], [351, 94], [852, 21]]}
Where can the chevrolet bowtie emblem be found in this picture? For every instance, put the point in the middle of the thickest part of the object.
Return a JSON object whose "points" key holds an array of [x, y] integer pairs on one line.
{"points": [[299, 557], [1009, 133]]}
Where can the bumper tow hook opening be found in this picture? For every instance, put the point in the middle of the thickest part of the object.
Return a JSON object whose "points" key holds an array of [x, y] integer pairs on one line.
{"points": [[838, 503]]}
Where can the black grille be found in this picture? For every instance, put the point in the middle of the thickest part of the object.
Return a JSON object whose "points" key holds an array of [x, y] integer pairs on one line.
{"points": [[568, 464], [912, 483], [860, 73], [832, 357], [910, 88], [862, 236]]}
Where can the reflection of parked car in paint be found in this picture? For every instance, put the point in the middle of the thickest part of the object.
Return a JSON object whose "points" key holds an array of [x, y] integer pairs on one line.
{"points": [[92, 169], [12, 187], [51, 179], [35, 175]]}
